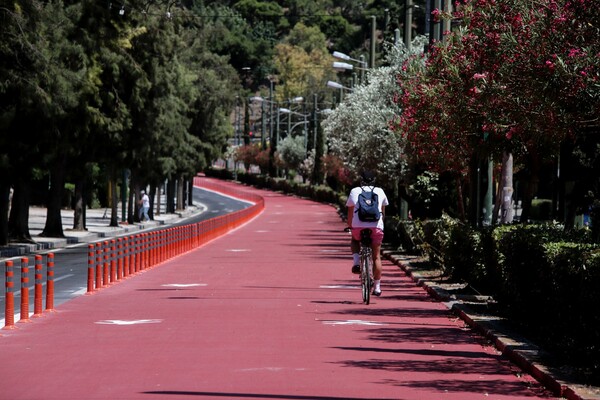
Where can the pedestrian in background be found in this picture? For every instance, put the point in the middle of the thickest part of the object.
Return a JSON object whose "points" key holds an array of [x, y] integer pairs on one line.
{"points": [[144, 206]]}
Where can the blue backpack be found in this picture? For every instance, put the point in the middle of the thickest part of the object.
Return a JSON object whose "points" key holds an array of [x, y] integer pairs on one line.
{"points": [[368, 206]]}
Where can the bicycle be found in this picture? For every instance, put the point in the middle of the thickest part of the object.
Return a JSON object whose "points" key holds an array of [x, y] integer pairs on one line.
{"points": [[366, 265]]}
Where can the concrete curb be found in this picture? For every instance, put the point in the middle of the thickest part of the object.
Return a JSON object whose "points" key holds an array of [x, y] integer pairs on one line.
{"points": [[526, 355], [97, 229]]}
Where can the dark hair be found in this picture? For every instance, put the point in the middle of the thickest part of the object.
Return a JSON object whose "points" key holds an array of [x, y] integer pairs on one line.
{"points": [[367, 176]]}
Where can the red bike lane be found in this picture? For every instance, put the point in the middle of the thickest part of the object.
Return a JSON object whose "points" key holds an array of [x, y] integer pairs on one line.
{"points": [[268, 311]]}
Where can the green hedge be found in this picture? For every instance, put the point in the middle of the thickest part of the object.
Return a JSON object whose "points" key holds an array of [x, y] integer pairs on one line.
{"points": [[321, 193], [545, 279]]}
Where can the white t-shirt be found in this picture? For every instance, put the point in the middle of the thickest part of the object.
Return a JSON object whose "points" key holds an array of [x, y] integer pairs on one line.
{"points": [[353, 199], [145, 201]]}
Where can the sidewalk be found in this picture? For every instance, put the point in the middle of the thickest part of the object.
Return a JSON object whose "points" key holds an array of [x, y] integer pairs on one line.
{"points": [[97, 224]]}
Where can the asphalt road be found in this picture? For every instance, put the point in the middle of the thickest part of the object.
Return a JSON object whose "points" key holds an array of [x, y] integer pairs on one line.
{"points": [[71, 263]]}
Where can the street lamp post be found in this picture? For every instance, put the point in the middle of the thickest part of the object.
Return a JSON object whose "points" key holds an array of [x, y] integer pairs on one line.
{"points": [[304, 122], [347, 66], [340, 87]]}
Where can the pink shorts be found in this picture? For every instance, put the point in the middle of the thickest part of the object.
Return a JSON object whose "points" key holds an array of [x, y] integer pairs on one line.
{"points": [[376, 235]]}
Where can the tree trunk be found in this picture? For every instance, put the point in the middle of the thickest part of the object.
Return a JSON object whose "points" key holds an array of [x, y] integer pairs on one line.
{"points": [[180, 195], [507, 188], [18, 220], [114, 201], [461, 201], [4, 207], [158, 198], [131, 203], [532, 187], [54, 227], [152, 195], [170, 196], [474, 191], [79, 207], [498, 199], [190, 192]]}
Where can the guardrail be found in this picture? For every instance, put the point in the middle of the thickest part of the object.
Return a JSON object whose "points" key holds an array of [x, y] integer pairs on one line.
{"points": [[111, 261]]}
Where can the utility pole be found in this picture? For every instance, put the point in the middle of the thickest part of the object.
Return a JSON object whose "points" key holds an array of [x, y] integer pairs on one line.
{"points": [[447, 24], [373, 41], [408, 17]]}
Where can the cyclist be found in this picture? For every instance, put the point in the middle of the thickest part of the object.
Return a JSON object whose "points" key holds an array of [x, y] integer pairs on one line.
{"points": [[356, 225]]}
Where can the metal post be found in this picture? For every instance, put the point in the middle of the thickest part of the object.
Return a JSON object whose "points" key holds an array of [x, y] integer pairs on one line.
{"points": [[437, 34], [315, 121], [373, 40], [446, 24], [263, 127], [408, 13], [363, 65]]}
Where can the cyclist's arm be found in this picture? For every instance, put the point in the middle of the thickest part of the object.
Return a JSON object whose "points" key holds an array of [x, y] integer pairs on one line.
{"points": [[383, 212]]}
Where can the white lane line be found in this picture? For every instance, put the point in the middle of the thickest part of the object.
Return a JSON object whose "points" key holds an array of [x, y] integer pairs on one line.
{"points": [[353, 322], [32, 287], [182, 285], [79, 292], [129, 322]]}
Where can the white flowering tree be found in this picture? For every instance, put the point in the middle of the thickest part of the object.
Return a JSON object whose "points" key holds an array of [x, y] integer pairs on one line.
{"points": [[358, 130], [292, 152]]}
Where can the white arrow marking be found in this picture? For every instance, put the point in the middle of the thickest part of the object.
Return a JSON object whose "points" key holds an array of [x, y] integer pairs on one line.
{"points": [[132, 322], [238, 250], [353, 322]]}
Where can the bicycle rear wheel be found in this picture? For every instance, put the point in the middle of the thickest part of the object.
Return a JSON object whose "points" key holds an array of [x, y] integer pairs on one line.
{"points": [[365, 279]]}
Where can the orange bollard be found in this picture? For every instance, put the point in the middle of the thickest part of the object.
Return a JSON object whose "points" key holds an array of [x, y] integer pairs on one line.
{"points": [[90, 277], [119, 259], [113, 261], [50, 283], [142, 251], [37, 298], [146, 250], [98, 265], [105, 271], [24, 290], [137, 245], [9, 307], [163, 245], [132, 255], [153, 248], [126, 256]]}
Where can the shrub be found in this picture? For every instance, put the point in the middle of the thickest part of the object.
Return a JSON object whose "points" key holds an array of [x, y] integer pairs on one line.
{"points": [[464, 254]]}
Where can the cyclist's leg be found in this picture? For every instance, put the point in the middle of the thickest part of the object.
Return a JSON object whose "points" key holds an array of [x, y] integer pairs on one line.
{"points": [[376, 250], [355, 246], [377, 237]]}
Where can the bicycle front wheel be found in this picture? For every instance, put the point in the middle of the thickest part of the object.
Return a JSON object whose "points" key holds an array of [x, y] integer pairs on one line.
{"points": [[365, 279]]}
